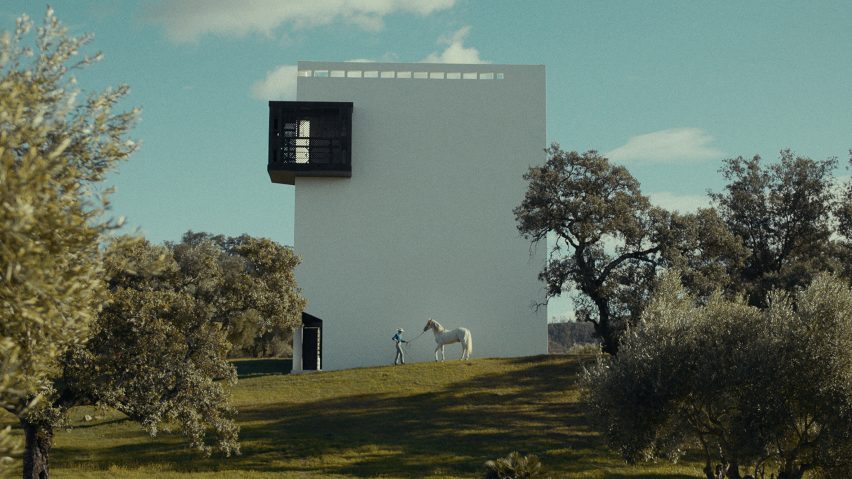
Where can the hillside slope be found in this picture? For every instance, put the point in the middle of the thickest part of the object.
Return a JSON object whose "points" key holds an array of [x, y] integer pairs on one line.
{"points": [[420, 420]]}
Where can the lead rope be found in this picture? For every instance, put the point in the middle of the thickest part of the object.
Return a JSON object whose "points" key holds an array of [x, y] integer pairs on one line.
{"points": [[408, 344]]}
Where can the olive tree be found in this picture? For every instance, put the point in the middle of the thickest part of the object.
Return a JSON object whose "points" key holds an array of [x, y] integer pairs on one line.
{"points": [[54, 150], [9, 395], [125, 327], [756, 391]]}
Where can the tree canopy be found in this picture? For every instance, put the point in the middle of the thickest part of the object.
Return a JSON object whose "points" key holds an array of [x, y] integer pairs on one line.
{"points": [[248, 282], [844, 225], [610, 241], [783, 214], [155, 352], [584, 200], [158, 349]]}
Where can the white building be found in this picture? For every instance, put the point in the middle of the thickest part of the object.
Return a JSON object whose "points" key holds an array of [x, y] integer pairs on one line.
{"points": [[406, 212]]}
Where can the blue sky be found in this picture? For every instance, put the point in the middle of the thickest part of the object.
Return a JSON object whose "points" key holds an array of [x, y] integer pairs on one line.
{"points": [[667, 88]]}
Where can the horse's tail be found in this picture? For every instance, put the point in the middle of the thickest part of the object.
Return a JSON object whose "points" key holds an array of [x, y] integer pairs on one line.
{"points": [[469, 342]]}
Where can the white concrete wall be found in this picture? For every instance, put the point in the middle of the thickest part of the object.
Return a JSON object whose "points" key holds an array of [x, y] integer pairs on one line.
{"points": [[297, 349], [424, 227]]}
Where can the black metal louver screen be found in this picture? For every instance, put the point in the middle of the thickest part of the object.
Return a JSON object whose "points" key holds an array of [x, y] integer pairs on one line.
{"points": [[313, 134]]}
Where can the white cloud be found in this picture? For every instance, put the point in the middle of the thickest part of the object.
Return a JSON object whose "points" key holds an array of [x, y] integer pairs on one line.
{"points": [[455, 51], [279, 84], [188, 20], [680, 203], [667, 146]]}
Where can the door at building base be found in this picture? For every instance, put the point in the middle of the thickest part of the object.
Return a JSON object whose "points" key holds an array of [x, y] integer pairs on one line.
{"points": [[311, 342], [311, 347]]}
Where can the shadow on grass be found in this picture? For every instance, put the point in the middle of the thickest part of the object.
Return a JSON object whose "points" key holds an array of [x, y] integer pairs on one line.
{"points": [[449, 431], [262, 367], [640, 475]]}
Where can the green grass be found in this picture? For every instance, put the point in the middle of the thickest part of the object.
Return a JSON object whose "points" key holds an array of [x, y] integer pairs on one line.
{"points": [[422, 420]]}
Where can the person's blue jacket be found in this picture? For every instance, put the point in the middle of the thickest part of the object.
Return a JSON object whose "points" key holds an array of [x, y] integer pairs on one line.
{"points": [[398, 338]]}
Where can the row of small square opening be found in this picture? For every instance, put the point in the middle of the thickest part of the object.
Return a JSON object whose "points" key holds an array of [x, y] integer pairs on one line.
{"points": [[401, 74]]}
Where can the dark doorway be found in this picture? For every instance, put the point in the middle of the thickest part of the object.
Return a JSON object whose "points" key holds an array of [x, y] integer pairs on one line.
{"points": [[311, 343]]}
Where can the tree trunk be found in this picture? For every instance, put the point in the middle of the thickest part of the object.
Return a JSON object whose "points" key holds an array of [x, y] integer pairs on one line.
{"points": [[39, 440], [733, 470], [790, 471], [603, 328]]}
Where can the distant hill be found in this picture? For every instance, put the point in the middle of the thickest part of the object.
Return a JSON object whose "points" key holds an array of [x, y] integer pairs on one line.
{"points": [[563, 336]]}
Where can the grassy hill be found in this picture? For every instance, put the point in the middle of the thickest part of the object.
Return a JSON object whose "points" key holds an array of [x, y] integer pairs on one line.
{"points": [[421, 420]]}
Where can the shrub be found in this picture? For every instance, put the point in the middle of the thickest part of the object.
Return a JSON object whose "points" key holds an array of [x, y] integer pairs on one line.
{"points": [[514, 466], [762, 390]]}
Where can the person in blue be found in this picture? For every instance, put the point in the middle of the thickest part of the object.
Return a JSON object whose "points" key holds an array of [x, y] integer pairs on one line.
{"points": [[397, 338]]}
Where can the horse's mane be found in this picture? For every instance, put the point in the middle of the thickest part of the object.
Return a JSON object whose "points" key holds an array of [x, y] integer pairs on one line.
{"points": [[438, 325]]}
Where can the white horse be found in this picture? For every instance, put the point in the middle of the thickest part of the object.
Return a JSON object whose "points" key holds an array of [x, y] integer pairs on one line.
{"points": [[444, 337]]}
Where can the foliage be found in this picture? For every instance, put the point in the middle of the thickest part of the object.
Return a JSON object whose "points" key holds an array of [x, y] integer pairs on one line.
{"points": [[702, 247], [139, 328], [783, 215], [53, 152], [610, 242], [155, 353], [514, 466], [844, 225], [247, 282], [763, 389], [9, 377], [565, 335], [584, 200]]}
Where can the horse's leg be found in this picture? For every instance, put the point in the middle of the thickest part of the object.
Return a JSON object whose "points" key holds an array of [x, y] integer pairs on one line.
{"points": [[436, 352], [464, 349], [443, 357]]}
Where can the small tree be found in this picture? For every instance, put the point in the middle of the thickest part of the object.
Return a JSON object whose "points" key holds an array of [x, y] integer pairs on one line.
{"points": [[763, 390], [154, 353]]}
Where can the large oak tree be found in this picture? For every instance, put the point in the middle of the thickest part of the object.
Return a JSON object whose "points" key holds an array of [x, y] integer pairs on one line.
{"points": [[783, 214], [610, 241], [250, 284]]}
